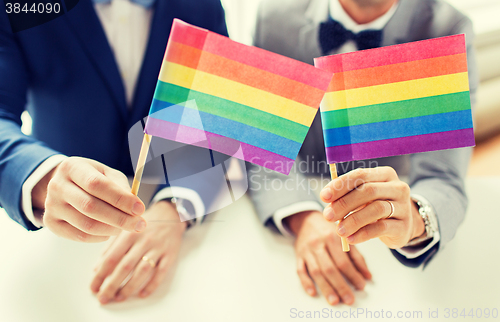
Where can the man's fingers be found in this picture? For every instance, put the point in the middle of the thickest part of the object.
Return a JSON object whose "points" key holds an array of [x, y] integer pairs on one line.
{"points": [[305, 280], [108, 263], [109, 245], [117, 177], [98, 185], [87, 224], [374, 211], [362, 195], [359, 262], [112, 284], [101, 211], [332, 274], [141, 274], [160, 273], [342, 185], [375, 230], [63, 229], [346, 267], [317, 275]]}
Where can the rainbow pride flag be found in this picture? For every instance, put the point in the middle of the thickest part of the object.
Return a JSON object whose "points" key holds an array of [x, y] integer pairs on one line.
{"points": [[239, 100], [397, 100]]}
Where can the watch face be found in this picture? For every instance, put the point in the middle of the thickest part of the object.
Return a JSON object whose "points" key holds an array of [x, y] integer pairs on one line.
{"points": [[430, 225]]}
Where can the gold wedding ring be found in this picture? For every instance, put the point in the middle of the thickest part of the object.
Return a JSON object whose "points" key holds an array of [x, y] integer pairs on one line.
{"points": [[392, 210], [149, 260]]}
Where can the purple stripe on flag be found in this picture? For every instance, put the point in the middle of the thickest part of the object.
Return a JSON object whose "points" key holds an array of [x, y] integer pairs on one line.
{"points": [[237, 149], [399, 146]]}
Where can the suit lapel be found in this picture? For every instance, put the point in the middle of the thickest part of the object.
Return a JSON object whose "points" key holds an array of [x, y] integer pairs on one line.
{"points": [[85, 24], [398, 28], [308, 42], [153, 57]]}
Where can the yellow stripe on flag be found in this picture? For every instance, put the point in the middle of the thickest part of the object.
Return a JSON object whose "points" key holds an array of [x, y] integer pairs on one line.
{"points": [[233, 91], [393, 92]]}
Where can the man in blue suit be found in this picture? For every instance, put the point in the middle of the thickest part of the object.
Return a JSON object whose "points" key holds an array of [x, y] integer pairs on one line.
{"points": [[86, 78]]}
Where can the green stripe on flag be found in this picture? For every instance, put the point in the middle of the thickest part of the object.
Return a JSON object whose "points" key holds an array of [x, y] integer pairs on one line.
{"points": [[396, 110]]}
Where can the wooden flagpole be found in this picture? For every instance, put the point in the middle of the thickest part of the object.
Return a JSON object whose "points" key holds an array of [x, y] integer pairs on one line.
{"points": [[140, 163], [333, 174]]}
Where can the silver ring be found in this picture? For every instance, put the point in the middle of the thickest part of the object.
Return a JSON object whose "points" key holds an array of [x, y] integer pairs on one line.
{"points": [[392, 210]]}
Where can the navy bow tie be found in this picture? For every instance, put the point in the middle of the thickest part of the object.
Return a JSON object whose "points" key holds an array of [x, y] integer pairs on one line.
{"points": [[332, 35], [144, 3]]}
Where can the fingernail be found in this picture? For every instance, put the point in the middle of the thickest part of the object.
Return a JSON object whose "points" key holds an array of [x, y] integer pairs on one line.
{"points": [[350, 239], [341, 229], [326, 193], [137, 209], [140, 226], [347, 299], [103, 300], [332, 299], [328, 213], [120, 298], [143, 294], [310, 291]]}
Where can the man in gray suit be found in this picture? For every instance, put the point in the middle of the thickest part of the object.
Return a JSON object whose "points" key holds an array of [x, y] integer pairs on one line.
{"points": [[414, 219]]}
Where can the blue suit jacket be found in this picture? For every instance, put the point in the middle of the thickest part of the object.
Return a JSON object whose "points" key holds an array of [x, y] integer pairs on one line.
{"points": [[65, 74]]}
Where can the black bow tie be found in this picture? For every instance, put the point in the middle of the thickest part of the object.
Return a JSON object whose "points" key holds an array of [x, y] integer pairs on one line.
{"points": [[332, 35]]}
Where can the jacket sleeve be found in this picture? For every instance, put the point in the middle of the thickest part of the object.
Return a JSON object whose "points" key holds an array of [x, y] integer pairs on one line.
{"points": [[271, 191], [19, 154]]}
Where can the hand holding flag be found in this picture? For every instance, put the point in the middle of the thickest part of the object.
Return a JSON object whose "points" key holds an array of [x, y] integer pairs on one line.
{"points": [[388, 101]]}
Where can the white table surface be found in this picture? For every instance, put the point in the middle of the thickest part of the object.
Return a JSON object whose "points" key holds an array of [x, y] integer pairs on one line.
{"points": [[232, 269]]}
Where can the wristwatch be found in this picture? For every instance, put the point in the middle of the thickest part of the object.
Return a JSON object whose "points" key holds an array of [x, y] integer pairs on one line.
{"points": [[181, 204], [430, 221]]}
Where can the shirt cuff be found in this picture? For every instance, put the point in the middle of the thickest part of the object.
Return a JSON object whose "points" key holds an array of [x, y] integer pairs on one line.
{"points": [[30, 183], [290, 210], [414, 252], [186, 194]]}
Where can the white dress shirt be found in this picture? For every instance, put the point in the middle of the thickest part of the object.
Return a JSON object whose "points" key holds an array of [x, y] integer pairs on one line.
{"points": [[127, 26], [338, 13]]}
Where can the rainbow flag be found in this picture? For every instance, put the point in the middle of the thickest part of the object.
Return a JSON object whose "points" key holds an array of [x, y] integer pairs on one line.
{"points": [[235, 99], [397, 100]]}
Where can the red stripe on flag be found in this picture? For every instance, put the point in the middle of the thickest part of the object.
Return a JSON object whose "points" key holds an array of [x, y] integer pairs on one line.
{"points": [[425, 49], [188, 34]]}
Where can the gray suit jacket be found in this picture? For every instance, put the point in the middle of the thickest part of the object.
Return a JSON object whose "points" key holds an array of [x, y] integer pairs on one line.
{"points": [[291, 28]]}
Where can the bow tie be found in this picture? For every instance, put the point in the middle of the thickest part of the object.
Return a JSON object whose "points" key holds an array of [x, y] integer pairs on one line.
{"points": [[332, 35], [144, 3]]}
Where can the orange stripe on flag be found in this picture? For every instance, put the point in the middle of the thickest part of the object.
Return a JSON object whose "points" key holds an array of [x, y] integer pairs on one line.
{"points": [[399, 72]]}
